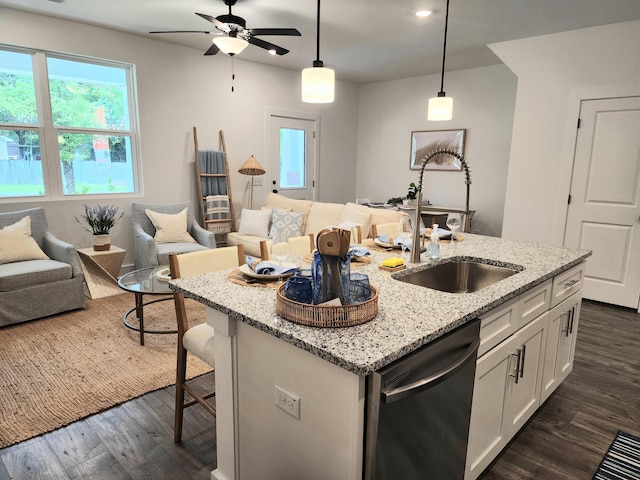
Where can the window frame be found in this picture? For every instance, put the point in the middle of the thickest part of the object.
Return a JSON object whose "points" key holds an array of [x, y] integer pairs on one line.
{"points": [[48, 132]]}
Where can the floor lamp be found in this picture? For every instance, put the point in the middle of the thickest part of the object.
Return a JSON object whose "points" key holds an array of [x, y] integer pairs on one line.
{"points": [[252, 167]]}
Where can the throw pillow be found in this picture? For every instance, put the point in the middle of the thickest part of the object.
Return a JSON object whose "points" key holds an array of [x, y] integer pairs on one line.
{"points": [[255, 222], [285, 225], [17, 244], [170, 227], [358, 215]]}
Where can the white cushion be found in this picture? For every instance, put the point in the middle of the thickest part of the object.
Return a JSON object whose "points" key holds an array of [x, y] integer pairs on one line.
{"points": [[198, 340], [275, 200], [17, 244], [386, 215], [323, 214], [170, 227], [250, 243], [255, 222], [354, 214], [285, 225]]}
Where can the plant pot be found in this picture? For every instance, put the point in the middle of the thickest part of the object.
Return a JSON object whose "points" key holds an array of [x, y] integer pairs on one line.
{"points": [[409, 202], [102, 242]]}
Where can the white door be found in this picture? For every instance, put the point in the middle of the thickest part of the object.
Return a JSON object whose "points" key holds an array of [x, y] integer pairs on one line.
{"points": [[292, 157], [604, 212]]}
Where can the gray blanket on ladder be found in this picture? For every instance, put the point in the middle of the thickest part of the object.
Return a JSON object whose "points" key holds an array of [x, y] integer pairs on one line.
{"points": [[212, 161]]}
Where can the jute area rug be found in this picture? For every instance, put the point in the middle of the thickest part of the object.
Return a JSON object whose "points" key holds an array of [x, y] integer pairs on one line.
{"points": [[62, 368]]}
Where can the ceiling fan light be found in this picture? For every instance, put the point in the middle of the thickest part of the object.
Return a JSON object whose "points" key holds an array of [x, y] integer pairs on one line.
{"points": [[318, 85], [440, 108], [230, 45]]}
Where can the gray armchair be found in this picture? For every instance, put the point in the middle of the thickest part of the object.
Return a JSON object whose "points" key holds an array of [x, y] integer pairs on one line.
{"points": [[148, 253], [33, 289]]}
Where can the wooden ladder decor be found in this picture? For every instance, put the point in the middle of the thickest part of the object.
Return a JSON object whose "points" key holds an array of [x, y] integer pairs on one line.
{"points": [[213, 180]]}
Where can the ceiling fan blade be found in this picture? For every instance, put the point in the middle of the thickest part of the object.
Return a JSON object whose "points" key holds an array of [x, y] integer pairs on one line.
{"points": [[217, 23], [293, 32], [206, 32], [267, 46], [213, 49]]}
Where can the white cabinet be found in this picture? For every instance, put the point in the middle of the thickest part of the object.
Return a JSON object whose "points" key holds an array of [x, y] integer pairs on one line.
{"points": [[526, 350], [505, 394], [561, 343]]}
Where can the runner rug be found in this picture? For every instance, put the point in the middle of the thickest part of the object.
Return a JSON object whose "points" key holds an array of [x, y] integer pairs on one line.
{"points": [[622, 460], [59, 369]]}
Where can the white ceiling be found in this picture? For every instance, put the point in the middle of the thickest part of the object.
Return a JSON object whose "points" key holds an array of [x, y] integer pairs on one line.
{"points": [[363, 40]]}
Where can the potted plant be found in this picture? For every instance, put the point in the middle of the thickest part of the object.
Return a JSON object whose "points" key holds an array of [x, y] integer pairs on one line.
{"points": [[100, 219], [412, 195], [394, 201]]}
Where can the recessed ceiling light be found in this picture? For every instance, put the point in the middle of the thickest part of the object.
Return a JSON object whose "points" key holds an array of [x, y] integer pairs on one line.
{"points": [[272, 51], [423, 13]]}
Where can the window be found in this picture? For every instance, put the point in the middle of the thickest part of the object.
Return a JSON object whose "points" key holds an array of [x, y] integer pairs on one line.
{"points": [[67, 126], [292, 153], [292, 158]]}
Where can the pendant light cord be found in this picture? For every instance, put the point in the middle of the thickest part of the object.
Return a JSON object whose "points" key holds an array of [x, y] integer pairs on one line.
{"points": [[444, 48], [318, 61]]}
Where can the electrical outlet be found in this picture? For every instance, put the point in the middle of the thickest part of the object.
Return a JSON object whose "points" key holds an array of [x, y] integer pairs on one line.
{"points": [[287, 401], [257, 182]]}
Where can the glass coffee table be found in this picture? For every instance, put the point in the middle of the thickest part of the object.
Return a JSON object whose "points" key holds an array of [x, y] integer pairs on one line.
{"points": [[145, 281]]}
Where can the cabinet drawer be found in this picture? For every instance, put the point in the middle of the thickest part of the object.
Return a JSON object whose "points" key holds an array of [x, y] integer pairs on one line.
{"points": [[497, 325], [534, 303], [566, 284]]}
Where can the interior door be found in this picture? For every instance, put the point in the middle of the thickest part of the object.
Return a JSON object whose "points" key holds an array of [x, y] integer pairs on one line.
{"points": [[292, 157], [604, 212]]}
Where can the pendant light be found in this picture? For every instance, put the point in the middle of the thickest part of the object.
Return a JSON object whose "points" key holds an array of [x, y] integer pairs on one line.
{"points": [[318, 82], [441, 107]]}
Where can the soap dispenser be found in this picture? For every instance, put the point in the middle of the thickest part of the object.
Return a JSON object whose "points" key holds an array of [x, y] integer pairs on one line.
{"points": [[433, 250]]}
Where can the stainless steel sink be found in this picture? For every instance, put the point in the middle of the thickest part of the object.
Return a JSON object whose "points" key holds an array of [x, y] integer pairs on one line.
{"points": [[463, 276]]}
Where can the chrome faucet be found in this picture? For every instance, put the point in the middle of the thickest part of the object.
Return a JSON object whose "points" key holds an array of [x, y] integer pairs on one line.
{"points": [[415, 252]]}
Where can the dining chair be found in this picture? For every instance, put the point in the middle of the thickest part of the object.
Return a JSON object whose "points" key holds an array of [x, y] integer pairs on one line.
{"points": [[298, 246], [198, 340], [384, 229]]}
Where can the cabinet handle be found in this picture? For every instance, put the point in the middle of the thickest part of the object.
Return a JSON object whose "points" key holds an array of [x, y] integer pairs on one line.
{"points": [[524, 352], [571, 283], [572, 314], [517, 355], [565, 330]]}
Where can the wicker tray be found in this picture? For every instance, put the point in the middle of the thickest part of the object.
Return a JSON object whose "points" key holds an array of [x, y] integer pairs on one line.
{"points": [[326, 316]]}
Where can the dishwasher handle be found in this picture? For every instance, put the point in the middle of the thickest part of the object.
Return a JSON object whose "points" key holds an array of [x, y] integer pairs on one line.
{"points": [[395, 394]]}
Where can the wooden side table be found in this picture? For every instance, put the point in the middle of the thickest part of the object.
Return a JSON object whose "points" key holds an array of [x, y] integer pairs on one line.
{"points": [[101, 271]]}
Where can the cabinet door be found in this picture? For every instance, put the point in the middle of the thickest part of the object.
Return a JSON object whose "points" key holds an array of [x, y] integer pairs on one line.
{"points": [[523, 388], [561, 343], [487, 435]]}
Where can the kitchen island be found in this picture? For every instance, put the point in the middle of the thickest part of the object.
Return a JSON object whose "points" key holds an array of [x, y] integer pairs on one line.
{"points": [[256, 352]]}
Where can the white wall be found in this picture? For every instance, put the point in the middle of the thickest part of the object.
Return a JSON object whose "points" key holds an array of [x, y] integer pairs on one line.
{"points": [[483, 105], [554, 73], [179, 88]]}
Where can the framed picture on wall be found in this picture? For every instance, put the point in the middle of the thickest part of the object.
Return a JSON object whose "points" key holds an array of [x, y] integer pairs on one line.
{"points": [[425, 141]]}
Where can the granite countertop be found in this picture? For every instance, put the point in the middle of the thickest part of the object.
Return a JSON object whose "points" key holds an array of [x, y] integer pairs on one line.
{"points": [[408, 316]]}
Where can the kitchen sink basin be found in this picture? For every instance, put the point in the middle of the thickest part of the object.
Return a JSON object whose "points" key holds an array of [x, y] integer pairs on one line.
{"points": [[459, 276]]}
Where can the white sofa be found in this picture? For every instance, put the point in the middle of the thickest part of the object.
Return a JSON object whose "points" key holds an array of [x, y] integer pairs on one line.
{"points": [[317, 215]]}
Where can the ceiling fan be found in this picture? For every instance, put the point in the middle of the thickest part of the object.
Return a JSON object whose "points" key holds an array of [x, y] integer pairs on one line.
{"points": [[231, 26]]}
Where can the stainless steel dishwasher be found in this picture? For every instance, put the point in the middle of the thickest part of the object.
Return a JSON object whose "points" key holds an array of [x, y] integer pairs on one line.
{"points": [[418, 411]]}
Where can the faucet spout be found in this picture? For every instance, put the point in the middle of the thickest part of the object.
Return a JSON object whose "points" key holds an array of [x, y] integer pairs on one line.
{"points": [[416, 245], [415, 252]]}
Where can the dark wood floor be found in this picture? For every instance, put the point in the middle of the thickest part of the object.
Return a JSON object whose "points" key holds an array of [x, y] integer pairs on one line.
{"points": [[566, 439]]}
